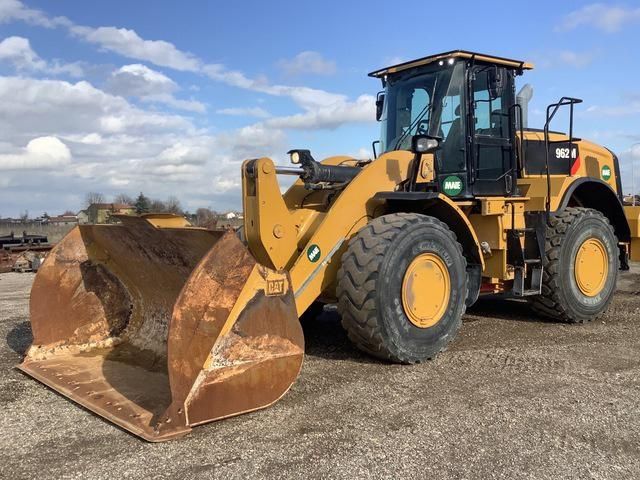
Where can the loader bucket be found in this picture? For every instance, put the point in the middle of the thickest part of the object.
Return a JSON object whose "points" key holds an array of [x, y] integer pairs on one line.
{"points": [[160, 329]]}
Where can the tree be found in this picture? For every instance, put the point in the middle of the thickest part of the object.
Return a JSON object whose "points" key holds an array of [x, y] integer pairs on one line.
{"points": [[93, 197], [123, 199], [157, 206], [206, 218], [69, 213], [143, 205], [24, 216], [173, 205]]}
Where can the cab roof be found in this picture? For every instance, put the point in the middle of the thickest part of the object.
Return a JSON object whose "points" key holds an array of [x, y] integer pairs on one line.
{"points": [[481, 57]]}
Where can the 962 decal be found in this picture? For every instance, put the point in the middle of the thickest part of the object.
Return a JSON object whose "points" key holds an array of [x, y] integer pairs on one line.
{"points": [[566, 153]]}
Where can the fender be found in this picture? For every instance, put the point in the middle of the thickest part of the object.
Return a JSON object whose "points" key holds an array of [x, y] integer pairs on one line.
{"points": [[594, 193], [444, 208]]}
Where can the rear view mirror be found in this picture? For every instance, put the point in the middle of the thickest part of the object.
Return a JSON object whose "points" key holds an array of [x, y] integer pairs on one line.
{"points": [[379, 105], [497, 80]]}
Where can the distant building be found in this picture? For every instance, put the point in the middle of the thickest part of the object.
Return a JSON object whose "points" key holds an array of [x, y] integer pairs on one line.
{"points": [[61, 220], [230, 220], [630, 200], [102, 212], [83, 217]]}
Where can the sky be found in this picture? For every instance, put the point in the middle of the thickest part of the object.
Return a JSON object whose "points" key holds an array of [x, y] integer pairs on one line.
{"points": [[169, 98]]}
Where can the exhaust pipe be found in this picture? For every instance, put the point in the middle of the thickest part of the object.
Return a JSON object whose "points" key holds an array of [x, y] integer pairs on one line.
{"points": [[523, 98]]}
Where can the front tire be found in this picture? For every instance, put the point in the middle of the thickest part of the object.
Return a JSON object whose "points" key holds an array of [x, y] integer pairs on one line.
{"points": [[580, 266], [402, 287]]}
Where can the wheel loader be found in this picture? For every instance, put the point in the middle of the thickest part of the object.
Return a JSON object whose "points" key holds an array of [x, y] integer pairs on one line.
{"points": [[159, 326]]}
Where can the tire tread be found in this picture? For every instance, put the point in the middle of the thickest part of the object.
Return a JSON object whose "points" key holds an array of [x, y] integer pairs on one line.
{"points": [[550, 303], [357, 278]]}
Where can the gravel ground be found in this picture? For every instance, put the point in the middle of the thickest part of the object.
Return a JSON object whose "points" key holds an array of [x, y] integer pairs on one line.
{"points": [[513, 397]]}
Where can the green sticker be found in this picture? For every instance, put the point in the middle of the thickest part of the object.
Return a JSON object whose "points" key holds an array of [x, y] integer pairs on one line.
{"points": [[606, 172], [313, 253], [452, 185]]}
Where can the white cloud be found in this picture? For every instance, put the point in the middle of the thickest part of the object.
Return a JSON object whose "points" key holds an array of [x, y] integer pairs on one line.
{"points": [[140, 81], [306, 63], [193, 151], [91, 139], [630, 168], [42, 105], [318, 104], [129, 44], [322, 109], [244, 112], [18, 52], [631, 106], [329, 116], [75, 69], [565, 58], [575, 59], [117, 147], [607, 18], [252, 141], [177, 103], [119, 143], [41, 152], [11, 10]]}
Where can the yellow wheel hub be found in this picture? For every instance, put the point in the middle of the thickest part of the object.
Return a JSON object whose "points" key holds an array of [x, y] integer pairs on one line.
{"points": [[426, 289], [592, 267]]}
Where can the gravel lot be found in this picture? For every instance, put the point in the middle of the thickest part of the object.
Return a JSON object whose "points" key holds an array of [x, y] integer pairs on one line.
{"points": [[513, 397]]}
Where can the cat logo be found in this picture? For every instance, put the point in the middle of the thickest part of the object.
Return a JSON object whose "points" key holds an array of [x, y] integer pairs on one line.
{"points": [[275, 287]]}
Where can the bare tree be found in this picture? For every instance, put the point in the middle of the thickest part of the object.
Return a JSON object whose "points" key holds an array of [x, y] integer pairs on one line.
{"points": [[206, 218], [124, 199], [157, 206], [172, 205], [24, 216], [68, 213], [93, 197]]}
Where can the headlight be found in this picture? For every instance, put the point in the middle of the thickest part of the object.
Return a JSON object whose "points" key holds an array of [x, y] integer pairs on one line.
{"points": [[423, 144], [295, 157]]}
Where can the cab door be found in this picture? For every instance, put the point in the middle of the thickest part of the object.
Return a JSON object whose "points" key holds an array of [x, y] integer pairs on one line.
{"points": [[492, 131]]}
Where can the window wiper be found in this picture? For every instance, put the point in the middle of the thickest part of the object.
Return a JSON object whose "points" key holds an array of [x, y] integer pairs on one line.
{"points": [[413, 124], [422, 113]]}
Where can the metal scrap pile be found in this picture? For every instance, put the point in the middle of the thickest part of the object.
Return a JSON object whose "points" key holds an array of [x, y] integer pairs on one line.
{"points": [[22, 254]]}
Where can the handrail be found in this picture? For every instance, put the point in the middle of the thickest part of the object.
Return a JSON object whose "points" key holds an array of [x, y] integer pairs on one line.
{"points": [[556, 106]]}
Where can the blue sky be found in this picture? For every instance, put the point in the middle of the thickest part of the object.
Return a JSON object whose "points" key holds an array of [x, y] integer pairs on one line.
{"points": [[169, 97]]}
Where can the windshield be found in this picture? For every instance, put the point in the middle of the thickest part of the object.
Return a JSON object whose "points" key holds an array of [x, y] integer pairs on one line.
{"points": [[415, 105]]}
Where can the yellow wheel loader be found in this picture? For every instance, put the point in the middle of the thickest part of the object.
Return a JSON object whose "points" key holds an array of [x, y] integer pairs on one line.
{"points": [[159, 326]]}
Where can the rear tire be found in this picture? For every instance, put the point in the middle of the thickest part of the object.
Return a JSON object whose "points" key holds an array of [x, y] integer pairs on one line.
{"points": [[374, 272], [567, 295]]}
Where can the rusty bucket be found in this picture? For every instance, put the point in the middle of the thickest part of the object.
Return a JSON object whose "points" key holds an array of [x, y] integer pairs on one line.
{"points": [[160, 329]]}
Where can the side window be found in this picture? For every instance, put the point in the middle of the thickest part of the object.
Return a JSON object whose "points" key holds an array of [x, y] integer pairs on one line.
{"points": [[450, 113], [419, 100], [451, 157], [493, 151], [410, 104], [492, 118]]}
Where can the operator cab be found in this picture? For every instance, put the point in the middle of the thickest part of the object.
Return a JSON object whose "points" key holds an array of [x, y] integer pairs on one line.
{"points": [[466, 102]]}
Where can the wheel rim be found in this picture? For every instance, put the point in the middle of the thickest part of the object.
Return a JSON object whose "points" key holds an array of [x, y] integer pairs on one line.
{"points": [[426, 289], [592, 267]]}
